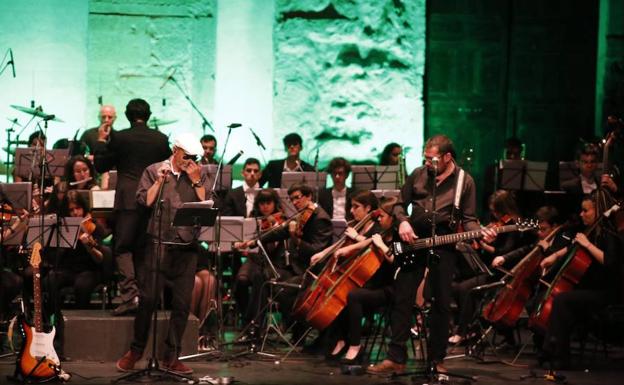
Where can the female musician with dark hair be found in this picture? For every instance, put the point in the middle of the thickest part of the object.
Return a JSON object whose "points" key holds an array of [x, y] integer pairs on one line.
{"points": [[251, 275], [390, 154], [376, 292], [598, 286], [504, 211], [80, 174]]}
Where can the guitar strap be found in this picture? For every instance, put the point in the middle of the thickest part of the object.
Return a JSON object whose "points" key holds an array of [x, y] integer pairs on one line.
{"points": [[456, 210]]}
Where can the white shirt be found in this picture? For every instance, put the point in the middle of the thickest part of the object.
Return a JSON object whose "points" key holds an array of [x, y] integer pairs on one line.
{"points": [[250, 196], [340, 203], [298, 168], [588, 185]]}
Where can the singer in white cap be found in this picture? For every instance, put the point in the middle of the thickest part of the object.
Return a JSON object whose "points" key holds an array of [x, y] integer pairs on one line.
{"points": [[176, 180]]}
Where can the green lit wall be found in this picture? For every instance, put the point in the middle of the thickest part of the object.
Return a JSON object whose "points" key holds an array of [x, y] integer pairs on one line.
{"points": [[348, 71]]}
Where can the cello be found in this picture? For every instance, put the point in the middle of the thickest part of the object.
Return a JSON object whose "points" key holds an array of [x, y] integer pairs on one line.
{"points": [[506, 307], [352, 273], [313, 290], [576, 263]]}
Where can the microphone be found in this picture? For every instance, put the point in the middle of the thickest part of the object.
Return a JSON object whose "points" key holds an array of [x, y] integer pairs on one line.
{"points": [[168, 78], [234, 125], [12, 61], [435, 161], [235, 158], [258, 141]]}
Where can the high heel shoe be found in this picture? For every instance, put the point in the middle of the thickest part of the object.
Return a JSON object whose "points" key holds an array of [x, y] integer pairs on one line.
{"points": [[357, 360], [336, 357]]}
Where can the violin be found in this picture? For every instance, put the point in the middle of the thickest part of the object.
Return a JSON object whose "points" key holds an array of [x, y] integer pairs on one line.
{"points": [[502, 221], [88, 226], [270, 221]]}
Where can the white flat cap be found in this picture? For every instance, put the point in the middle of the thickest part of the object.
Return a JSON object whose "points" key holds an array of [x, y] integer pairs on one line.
{"points": [[189, 143]]}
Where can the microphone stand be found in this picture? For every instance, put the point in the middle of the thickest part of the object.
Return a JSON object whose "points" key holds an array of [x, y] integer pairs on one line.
{"points": [[430, 371], [205, 122], [153, 369]]}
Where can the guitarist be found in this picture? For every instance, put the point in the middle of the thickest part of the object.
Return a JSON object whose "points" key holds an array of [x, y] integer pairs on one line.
{"points": [[418, 191]]}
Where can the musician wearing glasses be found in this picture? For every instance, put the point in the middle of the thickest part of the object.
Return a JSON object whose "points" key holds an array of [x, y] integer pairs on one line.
{"points": [[306, 234], [180, 180], [440, 168]]}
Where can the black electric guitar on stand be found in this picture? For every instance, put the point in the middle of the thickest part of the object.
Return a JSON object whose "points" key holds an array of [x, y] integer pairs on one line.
{"points": [[37, 360]]}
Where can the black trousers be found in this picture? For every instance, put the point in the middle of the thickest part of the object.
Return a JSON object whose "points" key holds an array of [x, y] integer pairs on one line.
{"points": [[468, 300], [569, 310], [128, 247], [359, 301], [440, 278], [177, 266]]}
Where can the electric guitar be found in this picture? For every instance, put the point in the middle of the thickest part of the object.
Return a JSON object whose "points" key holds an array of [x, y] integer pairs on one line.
{"points": [[405, 254], [37, 359]]}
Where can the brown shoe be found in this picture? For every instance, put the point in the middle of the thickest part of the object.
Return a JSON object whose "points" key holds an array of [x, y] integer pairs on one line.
{"points": [[127, 362], [386, 367], [176, 366]]}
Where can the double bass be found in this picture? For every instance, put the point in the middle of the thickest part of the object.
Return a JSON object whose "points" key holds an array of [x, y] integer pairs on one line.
{"points": [[506, 307]]}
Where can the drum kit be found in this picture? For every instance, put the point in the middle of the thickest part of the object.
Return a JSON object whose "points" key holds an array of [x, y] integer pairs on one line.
{"points": [[38, 112]]}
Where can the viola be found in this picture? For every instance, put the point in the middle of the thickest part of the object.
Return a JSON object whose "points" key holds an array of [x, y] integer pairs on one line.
{"points": [[507, 305], [313, 290]]}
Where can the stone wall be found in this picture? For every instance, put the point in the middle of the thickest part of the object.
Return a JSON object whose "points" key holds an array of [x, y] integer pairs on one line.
{"points": [[348, 75]]}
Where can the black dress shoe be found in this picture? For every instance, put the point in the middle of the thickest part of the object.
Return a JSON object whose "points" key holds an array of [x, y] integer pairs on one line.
{"points": [[126, 307]]}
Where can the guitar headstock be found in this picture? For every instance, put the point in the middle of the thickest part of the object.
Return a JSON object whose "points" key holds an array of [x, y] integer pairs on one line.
{"points": [[527, 224], [35, 256]]}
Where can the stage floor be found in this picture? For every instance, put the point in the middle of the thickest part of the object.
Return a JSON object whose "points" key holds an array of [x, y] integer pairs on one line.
{"points": [[307, 369]]}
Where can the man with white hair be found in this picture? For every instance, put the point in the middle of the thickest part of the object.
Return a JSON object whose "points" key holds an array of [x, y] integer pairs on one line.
{"points": [[176, 180], [107, 117]]}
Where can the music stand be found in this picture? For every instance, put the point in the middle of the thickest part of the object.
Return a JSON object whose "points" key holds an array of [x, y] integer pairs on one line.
{"points": [[373, 177], [233, 229], [522, 175], [535, 176], [18, 195], [16, 237], [225, 176], [307, 177], [287, 206], [57, 231], [101, 202], [28, 160], [570, 170], [392, 193], [339, 226]]}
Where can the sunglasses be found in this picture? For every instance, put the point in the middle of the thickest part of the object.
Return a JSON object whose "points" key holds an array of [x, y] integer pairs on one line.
{"points": [[190, 157]]}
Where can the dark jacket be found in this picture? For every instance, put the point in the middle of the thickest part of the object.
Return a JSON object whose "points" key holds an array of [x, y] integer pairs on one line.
{"points": [[130, 151], [234, 203], [326, 200], [272, 173], [317, 235]]}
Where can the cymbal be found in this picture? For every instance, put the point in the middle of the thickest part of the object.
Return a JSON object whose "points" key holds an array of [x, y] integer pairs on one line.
{"points": [[38, 112], [156, 122], [14, 121], [18, 142], [11, 151]]}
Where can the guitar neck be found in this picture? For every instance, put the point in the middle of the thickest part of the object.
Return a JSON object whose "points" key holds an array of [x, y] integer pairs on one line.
{"points": [[448, 239], [37, 299]]}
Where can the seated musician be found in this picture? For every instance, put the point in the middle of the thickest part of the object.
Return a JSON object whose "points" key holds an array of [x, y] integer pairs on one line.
{"points": [[335, 200], [308, 233], [504, 211], [390, 155], [596, 289], [10, 281], [272, 174], [80, 174], [90, 263], [375, 293], [255, 271]]}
